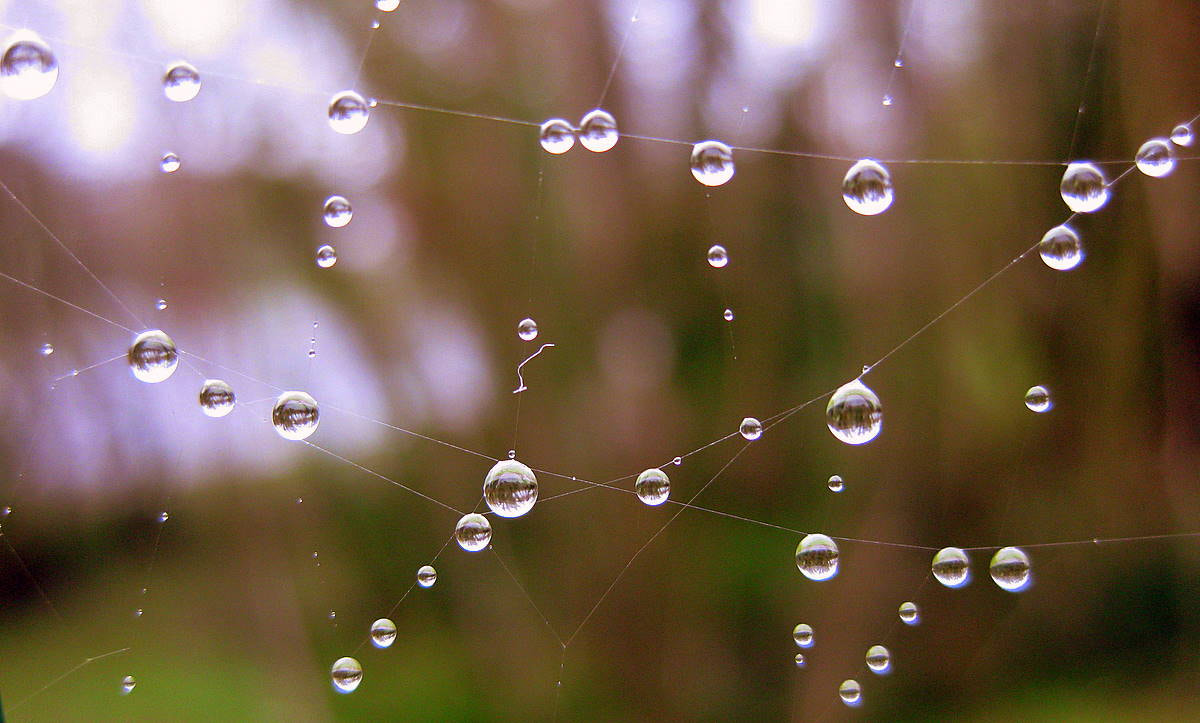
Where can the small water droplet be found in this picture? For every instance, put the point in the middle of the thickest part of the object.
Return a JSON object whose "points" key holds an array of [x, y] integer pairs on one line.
{"points": [[718, 257], [1155, 158], [337, 211], [1038, 399], [387, 5], [1010, 569], [346, 674], [28, 68], [312, 353], [653, 487], [5, 511], [909, 613], [817, 557], [1182, 135], [512, 454], [887, 101], [898, 62], [751, 428], [800, 661], [473, 532], [348, 112], [712, 163], [299, 500], [598, 131], [161, 305], [374, 24], [326, 256], [383, 633], [556, 136], [295, 415], [803, 635], [332, 615], [850, 692], [47, 349], [1061, 249], [677, 461], [181, 82], [867, 188], [951, 567], [137, 613], [426, 576], [728, 315], [854, 413], [128, 683], [152, 357], [163, 516], [527, 329], [1084, 188], [879, 659], [169, 163], [836, 484]]}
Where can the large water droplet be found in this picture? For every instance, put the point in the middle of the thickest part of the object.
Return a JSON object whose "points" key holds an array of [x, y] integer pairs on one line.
{"points": [[348, 112], [1038, 399], [426, 576], [1084, 188], [909, 613], [803, 635], [556, 136], [473, 532], [867, 188], [326, 256], [951, 567], [718, 257], [295, 415], [216, 398], [1010, 569], [153, 357], [1061, 248], [527, 329], [653, 487], [598, 131], [879, 659], [169, 163], [836, 484], [817, 557], [1182, 135], [28, 68], [854, 413], [337, 211], [712, 163], [1155, 158], [750, 428], [850, 692], [346, 674], [510, 488], [181, 82], [128, 683], [383, 633]]}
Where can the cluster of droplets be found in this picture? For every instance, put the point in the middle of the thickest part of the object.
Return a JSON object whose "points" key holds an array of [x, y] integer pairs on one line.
{"points": [[597, 132], [1009, 569]]}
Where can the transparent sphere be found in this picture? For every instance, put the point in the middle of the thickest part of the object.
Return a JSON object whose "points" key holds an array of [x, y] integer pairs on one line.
{"points": [[153, 357], [326, 256], [473, 532], [951, 567], [1084, 188], [47, 349], [426, 576], [1155, 158], [653, 487], [728, 315], [718, 257], [556, 136], [879, 659], [909, 613], [28, 68], [1010, 569], [295, 415], [800, 661], [1182, 135], [337, 212], [836, 484], [803, 635], [346, 674], [181, 82], [527, 329], [169, 163], [850, 692], [387, 5], [598, 131], [1038, 399], [383, 633], [128, 683], [348, 112], [161, 305], [712, 163], [216, 398], [854, 413], [867, 188], [1061, 248], [751, 428], [510, 488], [817, 557]]}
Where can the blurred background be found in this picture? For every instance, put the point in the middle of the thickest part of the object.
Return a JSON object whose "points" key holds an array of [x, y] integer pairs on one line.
{"points": [[464, 226]]}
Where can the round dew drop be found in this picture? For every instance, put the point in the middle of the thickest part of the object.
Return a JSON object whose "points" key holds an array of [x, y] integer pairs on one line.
{"points": [[836, 484], [867, 188], [1061, 248], [387, 5], [348, 112], [951, 567], [161, 305], [28, 68], [527, 329], [556, 136], [718, 257], [712, 163], [803, 635], [1010, 569], [728, 315], [510, 488], [1182, 135], [169, 163], [346, 674], [850, 692], [473, 532], [216, 398], [909, 613], [598, 131], [653, 487], [1038, 399], [879, 659], [153, 357], [337, 211], [295, 415], [1084, 188], [383, 633], [817, 557], [800, 661], [326, 256], [128, 683], [181, 82], [426, 576], [854, 413], [751, 428], [1155, 158], [47, 349]]}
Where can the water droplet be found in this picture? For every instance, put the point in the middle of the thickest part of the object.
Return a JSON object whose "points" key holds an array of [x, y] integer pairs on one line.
{"points": [[47, 349], [817, 557], [169, 163], [898, 62], [387, 5], [128, 683], [299, 500], [332, 614], [1182, 135], [1038, 399], [348, 112], [854, 413], [836, 484], [312, 353], [803, 635], [512, 454], [909, 613], [153, 357], [160, 305], [879, 659], [326, 256], [751, 428], [1084, 188], [1155, 158], [383, 633], [426, 576], [653, 487], [216, 398], [510, 488], [137, 613], [181, 82], [527, 329], [556, 136], [346, 674], [887, 101], [5, 511], [598, 131], [164, 516], [677, 461], [473, 532], [295, 415], [951, 567], [867, 188], [718, 257], [850, 692], [337, 211], [374, 24], [712, 163], [28, 69], [1061, 248], [1010, 569], [728, 315], [800, 662]]}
